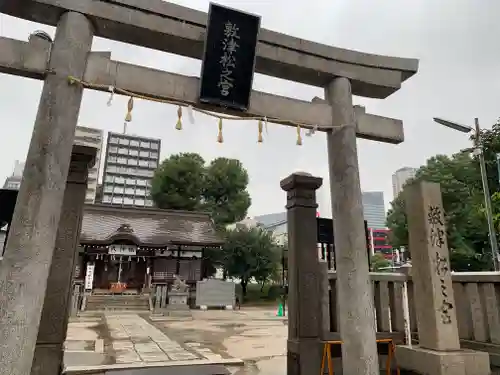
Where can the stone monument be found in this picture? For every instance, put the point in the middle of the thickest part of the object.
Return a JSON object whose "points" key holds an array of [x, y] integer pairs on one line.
{"points": [[178, 298], [438, 352]]}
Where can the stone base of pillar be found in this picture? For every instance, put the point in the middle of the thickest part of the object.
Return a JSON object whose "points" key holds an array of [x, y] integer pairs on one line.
{"points": [[304, 356], [430, 362], [48, 359]]}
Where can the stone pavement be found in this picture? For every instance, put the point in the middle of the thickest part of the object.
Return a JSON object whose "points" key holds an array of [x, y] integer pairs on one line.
{"points": [[255, 335], [249, 341], [135, 340]]}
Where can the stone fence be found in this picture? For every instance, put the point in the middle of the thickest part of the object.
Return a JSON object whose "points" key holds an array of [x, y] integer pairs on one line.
{"points": [[477, 298]]}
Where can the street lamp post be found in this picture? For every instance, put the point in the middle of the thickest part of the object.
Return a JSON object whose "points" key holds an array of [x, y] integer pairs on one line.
{"points": [[478, 151]]}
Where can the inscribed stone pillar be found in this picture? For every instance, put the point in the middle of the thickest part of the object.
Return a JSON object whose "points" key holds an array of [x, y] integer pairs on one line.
{"points": [[49, 349], [439, 345], [435, 310], [25, 267], [355, 296], [304, 316]]}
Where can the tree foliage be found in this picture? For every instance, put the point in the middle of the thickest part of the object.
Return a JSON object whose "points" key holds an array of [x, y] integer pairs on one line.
{"points": [[463, 201], [225, 194], [184, 182], [250, 253], [378, 263], [178, 182]]}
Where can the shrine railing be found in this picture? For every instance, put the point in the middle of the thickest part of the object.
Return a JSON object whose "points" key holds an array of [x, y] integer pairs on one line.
{"points": [[477, 305]]}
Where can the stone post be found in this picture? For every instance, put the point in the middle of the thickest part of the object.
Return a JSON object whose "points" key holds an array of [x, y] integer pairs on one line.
{"points": [[49, 349], [25, 267], [355, 296], [439, 351], [304, 316]]}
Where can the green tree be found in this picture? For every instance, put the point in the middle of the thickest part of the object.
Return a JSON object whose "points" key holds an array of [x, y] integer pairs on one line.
{"points": [[225, 194], [178, 182], [378, 263], [184, 182], [460, 179], [250, 253]]}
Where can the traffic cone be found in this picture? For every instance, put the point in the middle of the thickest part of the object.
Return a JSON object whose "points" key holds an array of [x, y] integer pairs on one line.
{"points": [[280, 310]]}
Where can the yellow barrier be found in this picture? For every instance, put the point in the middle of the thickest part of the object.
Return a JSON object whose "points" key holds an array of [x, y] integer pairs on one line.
{"points": [[327, 355]]}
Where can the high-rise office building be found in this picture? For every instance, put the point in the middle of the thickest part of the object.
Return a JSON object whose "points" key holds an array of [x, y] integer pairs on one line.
{"points": [[374, 209], [129, 167], [400, 178], [13, 182], [83, 136], [93, 138]]}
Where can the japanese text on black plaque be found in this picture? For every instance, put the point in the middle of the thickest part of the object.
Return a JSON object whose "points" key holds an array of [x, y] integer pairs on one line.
{"points": [[228, 61]]}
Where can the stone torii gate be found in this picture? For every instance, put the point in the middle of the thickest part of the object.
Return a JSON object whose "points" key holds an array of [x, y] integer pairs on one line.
{"points": [[166, 27]]}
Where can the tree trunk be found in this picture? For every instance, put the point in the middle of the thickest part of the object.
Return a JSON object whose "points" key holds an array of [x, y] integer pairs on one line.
{"points": [[262, 286]]}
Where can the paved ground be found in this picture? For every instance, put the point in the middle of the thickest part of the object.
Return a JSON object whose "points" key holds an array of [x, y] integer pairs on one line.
{"points": [[255, 336]]}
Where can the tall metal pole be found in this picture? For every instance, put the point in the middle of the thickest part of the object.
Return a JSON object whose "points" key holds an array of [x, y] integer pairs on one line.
{"points": [[487, 198], [283, 288]]}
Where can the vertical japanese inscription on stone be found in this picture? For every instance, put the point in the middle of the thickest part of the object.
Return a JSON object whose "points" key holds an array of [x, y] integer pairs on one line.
{"points": [[437, 240], [229, 58]]}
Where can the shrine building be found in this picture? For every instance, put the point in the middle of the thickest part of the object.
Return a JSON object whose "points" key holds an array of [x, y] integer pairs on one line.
{"points": [[130, 250]]}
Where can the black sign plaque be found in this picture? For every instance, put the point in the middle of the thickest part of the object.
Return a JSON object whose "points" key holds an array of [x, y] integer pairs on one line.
{"points": [[229, 58]]}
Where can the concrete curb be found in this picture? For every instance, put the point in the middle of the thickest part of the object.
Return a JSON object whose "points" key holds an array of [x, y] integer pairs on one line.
{"points": [[101, 369]]}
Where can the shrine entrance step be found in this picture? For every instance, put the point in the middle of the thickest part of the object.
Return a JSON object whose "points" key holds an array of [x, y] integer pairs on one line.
{"points": [[113, 302]]}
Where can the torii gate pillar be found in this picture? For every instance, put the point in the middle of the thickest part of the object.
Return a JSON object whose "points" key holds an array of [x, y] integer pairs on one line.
{"points": [[355, 298], [23, 280]]}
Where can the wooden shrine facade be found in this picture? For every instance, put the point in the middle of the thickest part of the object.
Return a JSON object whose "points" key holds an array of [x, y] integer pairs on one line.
{"points": [[127, 249]]}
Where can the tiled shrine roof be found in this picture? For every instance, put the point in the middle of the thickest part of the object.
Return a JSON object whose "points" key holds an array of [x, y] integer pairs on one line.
{"points": [[105, 224]]}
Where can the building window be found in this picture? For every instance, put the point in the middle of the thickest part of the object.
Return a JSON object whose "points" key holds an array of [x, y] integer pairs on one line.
{"points": [[154, 145], [143, 163], [124, 141], [109, 179], [132, 161], [106, 198], [145, 144], [154, 155], [119, 180], [141, 182], [144, 154], [114, 140], [141, 192], [111, 169], [123, 151], [149, 203], [108, 189], [130, 191], [118, 190], [117, 200], [130, 181], [113, 149], [134, 143], [134, 153], [139, 202], [128, 200], [152, 164], [112, 159]]}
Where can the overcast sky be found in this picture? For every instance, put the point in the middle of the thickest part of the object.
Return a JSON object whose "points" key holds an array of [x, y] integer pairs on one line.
{"points": [[455, 40]]}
